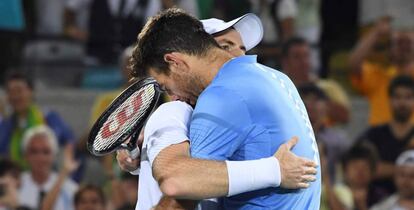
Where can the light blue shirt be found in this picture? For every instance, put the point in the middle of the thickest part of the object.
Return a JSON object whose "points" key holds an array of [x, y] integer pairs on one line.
{"points": [[246, 113]]}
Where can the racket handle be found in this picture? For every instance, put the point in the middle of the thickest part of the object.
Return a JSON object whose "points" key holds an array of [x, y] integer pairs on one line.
{"points": [[133, 154]]}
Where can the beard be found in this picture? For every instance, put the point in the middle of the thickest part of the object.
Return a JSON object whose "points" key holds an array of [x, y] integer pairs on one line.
{"points": [[402, 115]]}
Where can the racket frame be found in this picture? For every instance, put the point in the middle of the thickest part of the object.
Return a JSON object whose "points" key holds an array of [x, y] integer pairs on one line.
{"points": [[134, 130]]}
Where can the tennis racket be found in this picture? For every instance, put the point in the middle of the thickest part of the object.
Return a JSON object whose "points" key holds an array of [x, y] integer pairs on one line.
{"points": [[124, 118]]}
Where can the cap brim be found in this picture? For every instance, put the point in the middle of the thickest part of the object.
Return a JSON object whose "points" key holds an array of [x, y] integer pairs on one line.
{"points": [[250, 29]]}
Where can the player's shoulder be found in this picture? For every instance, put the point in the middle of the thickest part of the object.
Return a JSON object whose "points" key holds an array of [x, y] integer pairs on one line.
{"points": [[173, 106], [169, 114]]}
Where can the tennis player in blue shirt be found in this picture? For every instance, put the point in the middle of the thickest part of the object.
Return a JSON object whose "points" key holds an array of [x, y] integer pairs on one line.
{"points": [[243, 109]]}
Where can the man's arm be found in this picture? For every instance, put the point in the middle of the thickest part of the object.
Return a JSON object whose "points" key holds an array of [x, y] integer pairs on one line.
{"points": [[181, 176], [365, 46]]}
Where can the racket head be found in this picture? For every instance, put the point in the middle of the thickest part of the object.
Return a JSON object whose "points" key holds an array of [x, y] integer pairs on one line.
{"points": [[126, 114]]}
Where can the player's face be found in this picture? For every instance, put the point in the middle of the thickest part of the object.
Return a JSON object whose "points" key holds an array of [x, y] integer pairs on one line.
{"points": [[19, 95], [404, 180], [39, 154], [181, 85], [231, 42], [402, 104], [90, 200]]}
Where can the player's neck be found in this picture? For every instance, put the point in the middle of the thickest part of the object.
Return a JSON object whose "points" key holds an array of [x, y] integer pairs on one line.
{"points": [[213, 63]]}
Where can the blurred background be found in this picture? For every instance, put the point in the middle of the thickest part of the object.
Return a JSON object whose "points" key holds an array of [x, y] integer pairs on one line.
{"points": [[63, 61]]}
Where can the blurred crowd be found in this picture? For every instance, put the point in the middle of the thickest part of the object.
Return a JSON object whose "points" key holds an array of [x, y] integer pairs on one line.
{"points": [[334, 52]]}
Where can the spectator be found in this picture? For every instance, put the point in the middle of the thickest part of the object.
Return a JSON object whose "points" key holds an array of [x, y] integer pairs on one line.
{"points": [[394, 137], [125, 192], [333, 197], [296, 63], [103, 100], [68, 166], [308, 25], [26, 114], [401, 12], [278, 19], [90, 197], [49, 17], [372, 79], [359, 165], [334, 140], [2, 108], [40, 148], [9, 181], [404, 180], [112, 25]]}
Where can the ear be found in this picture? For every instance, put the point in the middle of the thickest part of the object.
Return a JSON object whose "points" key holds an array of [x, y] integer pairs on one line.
{"points": [[176, 60]]}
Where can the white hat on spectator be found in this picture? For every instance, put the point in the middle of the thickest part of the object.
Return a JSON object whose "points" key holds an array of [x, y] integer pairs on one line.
{"points": [[406, 158], [249, 27]]}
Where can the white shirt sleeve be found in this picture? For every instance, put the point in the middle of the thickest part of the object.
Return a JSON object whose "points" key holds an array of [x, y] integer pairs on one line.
{"points": [[168, 125], [287, 9]]}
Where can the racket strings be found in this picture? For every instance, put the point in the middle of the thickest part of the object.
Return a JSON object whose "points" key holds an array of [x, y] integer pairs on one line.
{"points": [[122, 120]]}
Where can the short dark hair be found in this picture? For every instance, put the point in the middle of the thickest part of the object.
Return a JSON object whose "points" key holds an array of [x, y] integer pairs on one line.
{"points": [[7, 166], [401, 81], [290, 43], [172, 30], [16, 75], [364, 151], [89, 187], [312, 89]]}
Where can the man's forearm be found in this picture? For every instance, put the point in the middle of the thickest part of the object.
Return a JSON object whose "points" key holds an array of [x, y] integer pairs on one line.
{"points": [[181, 176]]}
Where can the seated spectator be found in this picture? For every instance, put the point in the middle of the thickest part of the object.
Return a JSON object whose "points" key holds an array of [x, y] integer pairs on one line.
{"points": [[90, 197], [107, 26], [296, 63], [404, 180], [335, 141], [26, 114], [40, 148], [333, 197], [9, 181], [359, 165], [372, 79], [125, 192], [103, 100], [394, 137], [1, 108]]}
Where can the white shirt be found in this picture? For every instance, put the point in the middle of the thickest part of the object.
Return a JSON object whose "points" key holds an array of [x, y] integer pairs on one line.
{"points": [[168, 125], [29, 192]]}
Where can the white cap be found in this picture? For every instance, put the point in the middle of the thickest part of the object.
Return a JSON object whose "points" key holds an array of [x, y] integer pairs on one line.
{"points": [[249, 27], [406, 158]]}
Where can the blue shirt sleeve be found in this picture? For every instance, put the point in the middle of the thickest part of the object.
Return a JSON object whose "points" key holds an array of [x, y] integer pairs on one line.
{"points": [[61, 129], [216, 130]]}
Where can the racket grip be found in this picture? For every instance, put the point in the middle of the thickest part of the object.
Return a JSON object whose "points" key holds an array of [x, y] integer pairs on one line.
{"points": [[133, 154]]}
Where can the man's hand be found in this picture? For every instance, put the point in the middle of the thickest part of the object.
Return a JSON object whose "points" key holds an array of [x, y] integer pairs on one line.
{"points": [[296, 172], [10, 198], [125, 162]]}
